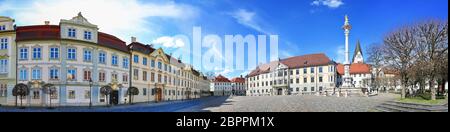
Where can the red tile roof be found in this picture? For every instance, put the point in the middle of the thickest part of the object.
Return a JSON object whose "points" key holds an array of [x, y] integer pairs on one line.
{"points": [[293, 63], [140, 47], [307, 61], [52, 32], [221, 78], [112, 42], [356, 68], [38, 32], [238, 80]]}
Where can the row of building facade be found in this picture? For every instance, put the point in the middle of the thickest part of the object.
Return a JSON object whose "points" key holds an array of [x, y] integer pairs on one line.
{"points": [[78, 59]]}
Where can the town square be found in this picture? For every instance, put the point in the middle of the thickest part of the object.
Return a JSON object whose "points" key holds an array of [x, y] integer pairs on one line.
{"points": [[185, 56]]}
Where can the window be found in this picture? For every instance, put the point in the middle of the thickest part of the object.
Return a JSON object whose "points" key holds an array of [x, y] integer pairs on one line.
{"points": [[36, 94], [36, 74], [72, 33], [165, 67], [71, 53], [159, 78], [114, 76], [87, 35], [313, 89], [87, 75], [312, 79], [144, 75], [320, 79], [23, 75], [320, 69], [144, 91], [3, 43], [297, 81], [152, 77], [144, 61], [304, 71], [114, 60], [87, 94], [71, 94], [54, 53], [312, 69], [159, 65], [125, 63], [4, 66], [37, 53], [136, 59], [101, 76], [297, 72], [54, 74], [71, 74], [135, 74], [102, 58], [3, 90], [320, 88], [125, 78], [152, 63], [23, 53], [2, 27], [87, 56], [305, 80], [305, 89]]}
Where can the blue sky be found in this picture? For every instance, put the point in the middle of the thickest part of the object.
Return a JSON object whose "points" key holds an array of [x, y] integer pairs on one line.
{"points": [[303, 26]]}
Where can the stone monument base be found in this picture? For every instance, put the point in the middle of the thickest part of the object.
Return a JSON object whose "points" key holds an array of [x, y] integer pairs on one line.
{"points": [[352, 92]]}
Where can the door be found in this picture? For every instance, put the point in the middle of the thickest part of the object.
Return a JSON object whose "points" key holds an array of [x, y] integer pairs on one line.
{"points": [[114, 98], [280, 91], [158, 96]]}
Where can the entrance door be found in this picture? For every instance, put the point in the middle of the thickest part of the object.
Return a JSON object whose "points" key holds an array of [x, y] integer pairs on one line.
{"points": [[158, 96], [114, 98], [280, 91]]}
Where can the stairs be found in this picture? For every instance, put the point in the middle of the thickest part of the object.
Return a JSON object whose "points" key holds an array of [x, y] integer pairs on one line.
{"points": [[394, 106]]}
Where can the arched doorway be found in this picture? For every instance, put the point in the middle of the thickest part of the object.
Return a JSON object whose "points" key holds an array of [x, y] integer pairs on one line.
{"points": [[279, 91], [114, 97]]}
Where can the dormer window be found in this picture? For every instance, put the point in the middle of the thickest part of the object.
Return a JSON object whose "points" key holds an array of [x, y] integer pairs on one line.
{"points": [[87, 35], [72, 32]]}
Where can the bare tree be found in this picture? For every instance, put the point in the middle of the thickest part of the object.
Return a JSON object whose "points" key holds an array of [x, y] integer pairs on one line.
{"points": [[375, 58], [399, 51], [433, 45]]}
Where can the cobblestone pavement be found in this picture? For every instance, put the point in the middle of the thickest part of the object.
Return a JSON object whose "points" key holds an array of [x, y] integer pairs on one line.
{"points": [[305, 103]]}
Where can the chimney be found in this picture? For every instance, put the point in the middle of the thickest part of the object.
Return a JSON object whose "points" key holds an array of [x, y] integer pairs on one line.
{"points": [[133, 39], [241, 76], [47, 22]]}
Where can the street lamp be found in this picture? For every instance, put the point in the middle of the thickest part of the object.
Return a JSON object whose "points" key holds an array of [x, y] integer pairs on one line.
{"points": [[90, 92]]}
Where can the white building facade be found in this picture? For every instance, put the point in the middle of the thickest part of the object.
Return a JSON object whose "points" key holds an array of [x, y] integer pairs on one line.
{"points": [[308, 74]]}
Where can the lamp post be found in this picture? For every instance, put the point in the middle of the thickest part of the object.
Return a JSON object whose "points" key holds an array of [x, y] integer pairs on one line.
{"points": [[90, 93]]}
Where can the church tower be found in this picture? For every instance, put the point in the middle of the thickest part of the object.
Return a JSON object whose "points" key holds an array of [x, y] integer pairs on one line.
{"points": [[358, 54]]}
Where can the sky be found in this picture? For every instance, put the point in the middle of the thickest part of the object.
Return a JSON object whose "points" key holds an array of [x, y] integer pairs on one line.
{"points": [[303, 26]]}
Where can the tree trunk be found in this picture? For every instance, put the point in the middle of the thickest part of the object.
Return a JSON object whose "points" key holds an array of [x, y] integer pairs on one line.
{"points": [[432, 90], [16, 101], [403, 91]]}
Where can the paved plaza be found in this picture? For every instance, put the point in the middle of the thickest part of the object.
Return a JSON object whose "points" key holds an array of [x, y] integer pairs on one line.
{"points": [[305, 103]]}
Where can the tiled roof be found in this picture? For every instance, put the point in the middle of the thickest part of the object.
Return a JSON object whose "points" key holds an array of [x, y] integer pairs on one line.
{"points": [[111, 42], [238, 80], [221, 78], [307, 61], [355, 68], [143, 48], [293, 63], [52, 32], [38, 32]]}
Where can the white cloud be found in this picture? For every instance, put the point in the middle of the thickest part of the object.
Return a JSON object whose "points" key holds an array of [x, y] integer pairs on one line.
{"points": [[248, 19], [328, 3], [224, 72], [123, 18], [169, 42], [340, 54]]}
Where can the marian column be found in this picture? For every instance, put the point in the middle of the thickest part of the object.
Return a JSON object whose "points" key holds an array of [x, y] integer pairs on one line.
{"points": [[347, 79]]}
